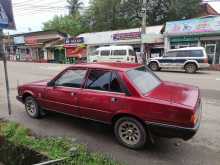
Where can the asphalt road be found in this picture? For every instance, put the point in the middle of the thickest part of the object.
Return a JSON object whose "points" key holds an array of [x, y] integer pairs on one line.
{"points": [[203, 149]]}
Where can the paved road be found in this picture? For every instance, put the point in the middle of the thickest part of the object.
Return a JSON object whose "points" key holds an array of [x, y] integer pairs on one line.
{"points": [[204, 148]]}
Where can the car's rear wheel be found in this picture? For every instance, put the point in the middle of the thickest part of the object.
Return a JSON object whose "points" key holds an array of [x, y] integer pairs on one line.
{"points": [[130, 132], [32, 108], [154, 66], [190, 68]]}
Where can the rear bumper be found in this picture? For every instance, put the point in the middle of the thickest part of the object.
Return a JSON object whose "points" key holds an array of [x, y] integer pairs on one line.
{"points": [[172, 131], [204, 66], [19, 98]]}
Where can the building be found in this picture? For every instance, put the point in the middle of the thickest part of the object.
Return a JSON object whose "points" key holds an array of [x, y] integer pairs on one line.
{"points": [[203, 31], [130, 37], [34, 46]]}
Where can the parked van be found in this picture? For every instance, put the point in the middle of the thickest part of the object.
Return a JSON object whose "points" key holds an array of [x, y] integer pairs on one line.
{"points": [[114, 54], [190, 59]]}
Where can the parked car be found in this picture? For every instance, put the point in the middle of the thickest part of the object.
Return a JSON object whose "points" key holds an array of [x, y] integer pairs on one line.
{"points": [[190, 59], [114, 54], [129, 97]]}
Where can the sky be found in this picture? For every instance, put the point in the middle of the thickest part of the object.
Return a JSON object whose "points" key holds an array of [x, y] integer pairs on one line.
{"points": [[31, 14]]}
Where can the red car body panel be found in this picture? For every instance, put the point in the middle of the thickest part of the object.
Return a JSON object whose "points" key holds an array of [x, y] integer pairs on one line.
{"points": [[169, 104]]}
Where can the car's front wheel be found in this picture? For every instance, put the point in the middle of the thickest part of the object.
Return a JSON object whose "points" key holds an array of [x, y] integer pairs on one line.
{"points": [[130, 132], [32, 108]]}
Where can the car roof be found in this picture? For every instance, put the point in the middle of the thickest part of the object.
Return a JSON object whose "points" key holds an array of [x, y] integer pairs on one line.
{"points": [[109, 66], [187, 48], [114, 48]]}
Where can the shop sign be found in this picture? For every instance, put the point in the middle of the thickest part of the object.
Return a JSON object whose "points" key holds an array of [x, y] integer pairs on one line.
{"points": [[126, 36], [184, 39], [19, 40], [151, 38], [77, 40], [194, 26], [6, 15], [31, 40], [76, 52]]}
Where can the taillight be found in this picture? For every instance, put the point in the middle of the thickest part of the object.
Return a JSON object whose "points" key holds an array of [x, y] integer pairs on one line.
{"points": [[194, 119], [206, 60]]}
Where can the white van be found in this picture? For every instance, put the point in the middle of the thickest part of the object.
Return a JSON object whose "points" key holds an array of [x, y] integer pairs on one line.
{"points": [[113, 54]]}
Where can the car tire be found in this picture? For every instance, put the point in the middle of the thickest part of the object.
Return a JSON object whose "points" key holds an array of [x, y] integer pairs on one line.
{"points": [[154, 66], [190, 68], [32, 108], [130, 133]]}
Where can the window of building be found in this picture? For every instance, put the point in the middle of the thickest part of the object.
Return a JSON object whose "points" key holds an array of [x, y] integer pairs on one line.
{"points": [[71, 78]]}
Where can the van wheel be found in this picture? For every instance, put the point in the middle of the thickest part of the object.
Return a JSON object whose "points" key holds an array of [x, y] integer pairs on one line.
{"points": [[190, 68], [32, 108], [154, 66], [130, 133]]}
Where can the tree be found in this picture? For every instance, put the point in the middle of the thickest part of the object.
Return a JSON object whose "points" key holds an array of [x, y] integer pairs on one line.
{"points": [[74, 6], [66, 24]]}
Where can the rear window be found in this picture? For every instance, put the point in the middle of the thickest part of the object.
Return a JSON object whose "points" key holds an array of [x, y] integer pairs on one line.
{"points": [[144, 79], [119, 52]]}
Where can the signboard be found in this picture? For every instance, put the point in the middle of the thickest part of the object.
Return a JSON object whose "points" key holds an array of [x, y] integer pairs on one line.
{"points": [[70, 41], [6, 15], [31, 40], [126, 36], [194, 26], [151, 38], [76, 52], [19, 40]]}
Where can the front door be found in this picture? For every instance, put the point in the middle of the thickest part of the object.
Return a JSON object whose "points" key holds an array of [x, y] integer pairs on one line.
{"points": [[63, 96], [102, 96]]}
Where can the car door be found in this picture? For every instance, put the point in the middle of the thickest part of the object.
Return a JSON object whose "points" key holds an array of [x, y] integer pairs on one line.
{"points": [[102, 96], [63, 95], [168, 60]]}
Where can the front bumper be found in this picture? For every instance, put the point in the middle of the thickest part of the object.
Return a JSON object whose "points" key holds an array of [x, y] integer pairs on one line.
{"points": [[20, 99], [172, 131]]}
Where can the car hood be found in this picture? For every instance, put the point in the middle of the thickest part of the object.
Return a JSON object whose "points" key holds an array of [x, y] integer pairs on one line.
{"points": [[176, 93], [39, 83]]}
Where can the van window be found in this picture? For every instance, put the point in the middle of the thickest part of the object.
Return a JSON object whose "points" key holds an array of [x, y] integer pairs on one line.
{"points": [[182, 54], [105, 52], [119, 52]]}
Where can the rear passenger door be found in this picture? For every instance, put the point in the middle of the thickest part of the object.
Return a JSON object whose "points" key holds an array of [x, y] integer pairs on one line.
{"points": [[102, 96]]}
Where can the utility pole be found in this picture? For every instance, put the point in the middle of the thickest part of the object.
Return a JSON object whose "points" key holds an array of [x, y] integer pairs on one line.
{"points": [[4, 58], [143, 30]]}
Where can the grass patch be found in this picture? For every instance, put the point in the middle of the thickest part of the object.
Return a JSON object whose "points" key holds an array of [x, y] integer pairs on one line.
{"points": [[53, 148]]}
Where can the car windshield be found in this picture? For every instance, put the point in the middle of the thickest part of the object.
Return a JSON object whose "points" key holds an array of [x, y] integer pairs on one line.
{"points": [[144, 79]]}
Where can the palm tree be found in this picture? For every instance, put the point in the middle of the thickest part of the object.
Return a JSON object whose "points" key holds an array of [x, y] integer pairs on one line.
{"points": [[74, 6]]}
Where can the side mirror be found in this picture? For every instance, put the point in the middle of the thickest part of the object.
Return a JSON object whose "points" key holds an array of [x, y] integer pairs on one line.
{"points": [[51, 84]]}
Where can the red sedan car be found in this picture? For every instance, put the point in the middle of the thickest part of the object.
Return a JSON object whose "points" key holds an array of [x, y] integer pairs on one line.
{"points": [[128, 96]]}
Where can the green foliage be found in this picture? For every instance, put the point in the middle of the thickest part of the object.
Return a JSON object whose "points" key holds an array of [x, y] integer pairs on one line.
{"points": [[103, 15], [54, 148], [67, 24]]}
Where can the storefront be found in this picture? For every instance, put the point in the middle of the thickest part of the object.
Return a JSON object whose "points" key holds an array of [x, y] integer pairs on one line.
{"points": [[204, 31], [75, 50], [131, 37]]}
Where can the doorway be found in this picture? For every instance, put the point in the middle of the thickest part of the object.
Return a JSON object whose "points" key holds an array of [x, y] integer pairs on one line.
{"points": [[211, 52]]}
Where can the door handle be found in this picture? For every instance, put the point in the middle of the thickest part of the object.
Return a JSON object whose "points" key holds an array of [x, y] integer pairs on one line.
{"points": [[73, 94], [114, 100]]}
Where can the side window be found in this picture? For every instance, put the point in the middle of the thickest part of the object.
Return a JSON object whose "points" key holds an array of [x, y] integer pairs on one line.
{"points": [[71, 78], [196, 53], [105, 52], [171, 54], [182, 54], [98, 80], [132, 53], [115, 85], [96, 53], [119, 52]]}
